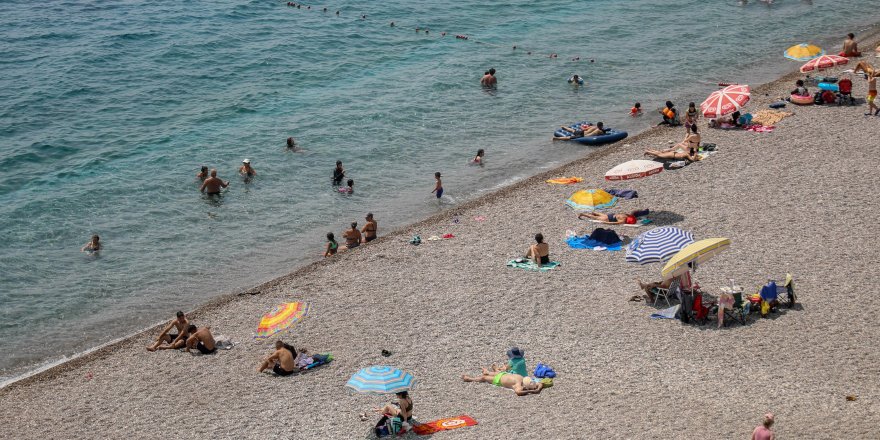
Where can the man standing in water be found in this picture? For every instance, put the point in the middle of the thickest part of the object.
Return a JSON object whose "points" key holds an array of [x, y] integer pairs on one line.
{"points": [[181, 324], [212, 185], [338, 173], [370, 228]]}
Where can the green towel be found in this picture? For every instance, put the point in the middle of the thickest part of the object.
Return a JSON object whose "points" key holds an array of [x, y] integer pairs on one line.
{"points": [[530, 265]]}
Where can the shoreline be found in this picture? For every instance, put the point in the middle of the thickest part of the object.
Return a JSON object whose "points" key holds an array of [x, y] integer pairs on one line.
{"points": [[448, 306], [50, 369]]}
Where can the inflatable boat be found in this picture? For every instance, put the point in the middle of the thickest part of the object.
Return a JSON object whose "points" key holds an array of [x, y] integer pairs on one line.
{"points": [[611, 135], [801, 100]]}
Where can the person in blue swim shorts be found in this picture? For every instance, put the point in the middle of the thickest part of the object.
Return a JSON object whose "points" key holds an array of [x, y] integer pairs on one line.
{"points": [[438, 187]]}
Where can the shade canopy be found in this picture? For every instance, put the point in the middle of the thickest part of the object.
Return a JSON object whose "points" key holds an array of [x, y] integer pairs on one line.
{"points": [[803, 52], [282, 317], [591, 199], [824, 62], [657, 245], [381, 379], [634, 169], [695, 253], [726, 101]]}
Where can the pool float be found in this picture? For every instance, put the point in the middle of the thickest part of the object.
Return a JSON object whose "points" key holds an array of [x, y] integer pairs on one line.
{"points": [[611, 135], [829, 86], [801, 100]]}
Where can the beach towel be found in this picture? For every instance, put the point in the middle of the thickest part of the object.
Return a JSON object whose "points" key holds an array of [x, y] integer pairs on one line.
{"points": [[758, 128], [623, 193], [223, 343], [319, 359], [566, 180], [446, 424], [530, 265], [668, 313], [585, 242]]}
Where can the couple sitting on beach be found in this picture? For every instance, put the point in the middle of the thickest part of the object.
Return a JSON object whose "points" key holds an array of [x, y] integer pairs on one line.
{"points": [[188, 336], [285, 360]]}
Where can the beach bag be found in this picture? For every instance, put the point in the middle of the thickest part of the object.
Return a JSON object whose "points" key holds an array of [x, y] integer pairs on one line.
{"points": [[415, 240], [383, 427], [544, 371]]}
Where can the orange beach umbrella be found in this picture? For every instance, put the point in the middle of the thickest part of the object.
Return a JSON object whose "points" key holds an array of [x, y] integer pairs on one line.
{"points": [[282, 317]]}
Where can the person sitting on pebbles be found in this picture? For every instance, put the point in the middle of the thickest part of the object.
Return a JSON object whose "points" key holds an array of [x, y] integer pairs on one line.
{"points": [[540, 251], [520, 385], [281, 359], [201, 339], [169, 339]]}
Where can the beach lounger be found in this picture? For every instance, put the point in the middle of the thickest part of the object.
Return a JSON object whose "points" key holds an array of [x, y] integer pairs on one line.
{"points": [[673, 289]]}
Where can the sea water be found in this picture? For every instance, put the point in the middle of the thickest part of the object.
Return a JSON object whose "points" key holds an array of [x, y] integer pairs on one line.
{"points": [[109, 108]]}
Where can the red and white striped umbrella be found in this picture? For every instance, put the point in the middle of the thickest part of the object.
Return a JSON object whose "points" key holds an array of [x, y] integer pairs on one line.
{"points": [[634, 169], [823, 62], [725, 101]]}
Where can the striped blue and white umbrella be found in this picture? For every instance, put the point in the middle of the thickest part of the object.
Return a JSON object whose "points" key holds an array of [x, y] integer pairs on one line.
{"points": [[657, 245], [381, 379]]}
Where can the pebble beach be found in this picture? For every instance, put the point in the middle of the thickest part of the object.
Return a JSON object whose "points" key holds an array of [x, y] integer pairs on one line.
{"points": [[795, 200]]}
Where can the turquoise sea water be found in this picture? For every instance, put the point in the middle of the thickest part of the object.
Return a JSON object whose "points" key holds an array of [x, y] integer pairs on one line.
{"points": [[110, 107]]}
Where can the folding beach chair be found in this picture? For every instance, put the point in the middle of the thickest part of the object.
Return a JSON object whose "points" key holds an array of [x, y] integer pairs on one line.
{"points": [[785, 292], [738, 312], [672, 290], [844, 92], [699, 312]]}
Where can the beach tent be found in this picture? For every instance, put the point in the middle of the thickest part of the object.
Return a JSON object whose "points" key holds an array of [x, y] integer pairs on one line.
{"points": [[591, 199]]}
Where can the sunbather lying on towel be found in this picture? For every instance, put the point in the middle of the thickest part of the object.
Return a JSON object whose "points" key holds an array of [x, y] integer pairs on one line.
{"points": [[684, 150], [520, 385], [613, 219], [649, 287]]}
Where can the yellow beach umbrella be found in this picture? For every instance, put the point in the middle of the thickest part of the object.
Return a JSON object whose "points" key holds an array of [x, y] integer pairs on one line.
{"points": [[590, 199], [803, 52], [697, 252]]}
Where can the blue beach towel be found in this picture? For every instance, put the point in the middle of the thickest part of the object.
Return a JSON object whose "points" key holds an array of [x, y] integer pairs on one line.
{"points": [[623, 193], [542, 371], [530, 265], [586, 242]]}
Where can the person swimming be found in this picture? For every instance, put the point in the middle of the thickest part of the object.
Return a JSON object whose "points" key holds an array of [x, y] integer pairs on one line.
{"points": [[348, 189], [576, 80], [93, 246], [246, 170], [291, 145], [636, 110], [478, 159]]}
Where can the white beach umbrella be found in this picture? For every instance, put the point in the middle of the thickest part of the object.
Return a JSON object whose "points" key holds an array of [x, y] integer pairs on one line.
{"points": [[634, 169]]}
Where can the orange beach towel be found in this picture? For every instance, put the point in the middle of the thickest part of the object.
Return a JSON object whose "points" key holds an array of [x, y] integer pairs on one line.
{"points": [[443, 425], [566, 180]]}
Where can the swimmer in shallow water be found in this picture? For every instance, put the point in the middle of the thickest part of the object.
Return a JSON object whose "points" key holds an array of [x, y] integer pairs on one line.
{"points": [[203, 174], [291, 145], [246, 170], [576, 80], [438, 187], [349, 188], [93, 246], [478, 159]]}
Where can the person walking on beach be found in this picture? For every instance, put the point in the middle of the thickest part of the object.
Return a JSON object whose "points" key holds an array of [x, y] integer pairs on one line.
{"points": [[93, 246], [762, 431], [352, 236], [282, 360], [540, 251], [246, 170], [338, 173], [166, 337], [203, 174], [872, 95], [201, 339], [332, 245], [370, 228], [212, 185], [438, 186]]}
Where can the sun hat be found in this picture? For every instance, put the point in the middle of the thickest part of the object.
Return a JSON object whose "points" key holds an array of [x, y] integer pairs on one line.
{"points": [[514, 353], [246, 161]]}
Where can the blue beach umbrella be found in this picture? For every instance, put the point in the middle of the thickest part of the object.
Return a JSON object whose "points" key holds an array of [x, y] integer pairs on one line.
{"points": [[657, 245], [381, 379]]}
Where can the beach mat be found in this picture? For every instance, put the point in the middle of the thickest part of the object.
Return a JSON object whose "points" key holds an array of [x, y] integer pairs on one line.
{"points": [[586, 242], [566, 180], [668, 313], [639, 223], [530, 265], [446, 424]]}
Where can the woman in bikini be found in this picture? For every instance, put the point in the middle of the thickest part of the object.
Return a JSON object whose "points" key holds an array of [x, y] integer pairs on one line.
{"points": [[613, 219], [685, 150], [401, 409]]}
